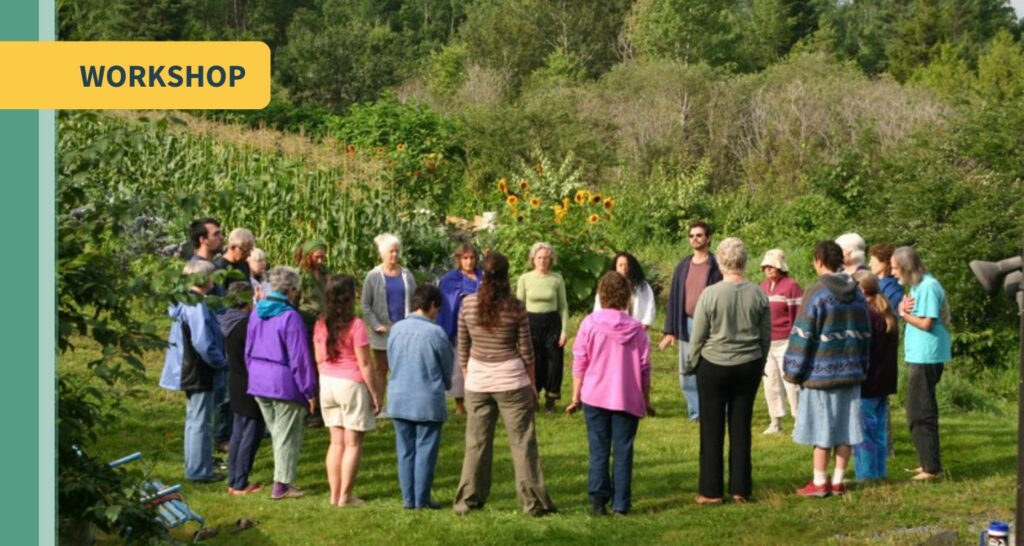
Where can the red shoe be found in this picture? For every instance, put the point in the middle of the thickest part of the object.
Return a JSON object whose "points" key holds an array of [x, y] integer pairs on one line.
{"points": [[839, 489], [811, 490]]}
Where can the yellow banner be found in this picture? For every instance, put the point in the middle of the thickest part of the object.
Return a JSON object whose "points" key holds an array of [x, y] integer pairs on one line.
{"points": [[134, 75]]}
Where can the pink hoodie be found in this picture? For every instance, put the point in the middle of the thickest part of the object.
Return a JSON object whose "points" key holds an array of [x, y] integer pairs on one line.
{"points": [[612, 356]]}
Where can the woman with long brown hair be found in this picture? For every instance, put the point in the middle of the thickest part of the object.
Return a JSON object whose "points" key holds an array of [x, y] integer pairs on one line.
{"points": [[496, 356], [348, 393]]}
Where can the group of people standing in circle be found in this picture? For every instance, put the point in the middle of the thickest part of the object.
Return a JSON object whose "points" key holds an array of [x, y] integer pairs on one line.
{"points": [[291, 345]]}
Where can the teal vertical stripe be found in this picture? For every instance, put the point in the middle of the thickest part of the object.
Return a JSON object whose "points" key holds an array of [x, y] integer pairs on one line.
{"points": [[19, 222]]}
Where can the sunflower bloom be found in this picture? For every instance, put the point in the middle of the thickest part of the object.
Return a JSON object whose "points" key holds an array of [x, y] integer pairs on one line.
{"points": [[503, 186], [381, 150], [596, 199], [593, 219], [400, 147], [560, 213], [609, 203], [523, 184], [582, 196], [534, 202], [512, 201]]}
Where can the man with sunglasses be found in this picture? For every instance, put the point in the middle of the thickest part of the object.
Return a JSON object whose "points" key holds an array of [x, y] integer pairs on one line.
{"points": [[693, 274]]}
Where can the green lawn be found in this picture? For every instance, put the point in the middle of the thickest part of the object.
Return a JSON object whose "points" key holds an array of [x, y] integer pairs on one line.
{"points": [[978, 450]]}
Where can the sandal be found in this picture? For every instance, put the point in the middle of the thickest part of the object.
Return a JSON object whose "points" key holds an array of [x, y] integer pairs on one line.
{"points": [[740, 499], [249, 489], [708, 501]]}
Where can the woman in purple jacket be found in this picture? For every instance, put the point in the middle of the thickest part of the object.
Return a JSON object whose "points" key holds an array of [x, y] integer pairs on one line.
{"points": [[281, 374]]}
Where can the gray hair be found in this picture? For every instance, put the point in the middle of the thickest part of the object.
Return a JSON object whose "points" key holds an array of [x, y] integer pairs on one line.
{"points": [[239, 237], [911, 267], [258, 255], [385, 241], [283, 278], [732, 255], [853, 244], [537, 247], [196, 267]]}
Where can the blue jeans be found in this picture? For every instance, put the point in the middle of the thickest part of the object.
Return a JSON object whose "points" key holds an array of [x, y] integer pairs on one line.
{"points": [[198, 437], [688, 383], [606, 430], [246, 435], [417, 443], [223, 416], [869, 456]]}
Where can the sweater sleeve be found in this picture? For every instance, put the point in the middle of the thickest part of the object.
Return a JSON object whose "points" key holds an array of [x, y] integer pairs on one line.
{"points": [[463, 340], [765, 325], [521, 288], [367, 301], [525, 343], [701, 331], [803, 344], [793, 298], [645, 363], [447, 358], [563, 306], [674, 305], [581, 350], [295, 340], [645, 301], [206, 337]]}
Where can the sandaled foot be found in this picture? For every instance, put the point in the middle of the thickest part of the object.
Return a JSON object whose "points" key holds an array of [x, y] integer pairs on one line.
{"points": [[740, 499], [917, 470], [707, 501], [247, 490], [924, 476]]}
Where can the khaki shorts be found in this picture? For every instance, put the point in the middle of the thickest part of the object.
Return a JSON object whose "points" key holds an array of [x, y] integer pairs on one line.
{"points": [[346, 403]]}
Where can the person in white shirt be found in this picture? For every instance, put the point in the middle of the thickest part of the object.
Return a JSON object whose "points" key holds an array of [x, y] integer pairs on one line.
{"points": [[641, 303]]}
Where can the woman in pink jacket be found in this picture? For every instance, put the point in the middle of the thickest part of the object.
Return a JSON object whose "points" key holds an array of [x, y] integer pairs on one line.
{"points": [[611, 380]]}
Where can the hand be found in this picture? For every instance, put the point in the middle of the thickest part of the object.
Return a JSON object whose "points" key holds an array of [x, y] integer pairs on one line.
{"points": [[561, 340], [907, 304], [669, 339], [572, 407], [376, 404], [650, 410], [258, 292], [381, 329], [312, 405]]}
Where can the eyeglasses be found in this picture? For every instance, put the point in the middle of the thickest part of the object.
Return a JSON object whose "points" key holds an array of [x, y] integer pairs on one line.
{"points": [[696, 235]]}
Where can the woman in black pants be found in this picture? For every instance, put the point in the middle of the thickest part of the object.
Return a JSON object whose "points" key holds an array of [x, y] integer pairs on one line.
{"points": [[732, 333], [543, 292]]}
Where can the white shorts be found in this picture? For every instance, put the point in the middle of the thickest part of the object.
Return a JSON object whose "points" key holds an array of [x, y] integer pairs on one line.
{"points": [[346, 403]]}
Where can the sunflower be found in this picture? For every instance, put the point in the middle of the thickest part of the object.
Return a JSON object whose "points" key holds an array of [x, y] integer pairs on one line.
{"points": [[400, 147], [609, 203], [534, 202], [381, 150], [523, 184], [582, 196], [512, 201], [595, 199], [593, 219], [560, 213], [503, 186], [350, 149]]}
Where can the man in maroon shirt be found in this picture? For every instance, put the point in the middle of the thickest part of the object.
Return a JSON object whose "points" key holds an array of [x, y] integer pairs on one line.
{"points": [[693, 274]]}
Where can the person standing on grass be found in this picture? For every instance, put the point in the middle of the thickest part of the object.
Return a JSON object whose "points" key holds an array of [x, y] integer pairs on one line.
{"points": [[543, 292], [247, 422], [281, 374], [348, 393], [828, 356], [926, 349], [421, 359], [731, 337], [869, 456], [387, 299], [611, 381], [456, 285], [641, 299], [195, 355], [313, 274], [693, 274], [784, 296], [496, 355], [880, 264]]}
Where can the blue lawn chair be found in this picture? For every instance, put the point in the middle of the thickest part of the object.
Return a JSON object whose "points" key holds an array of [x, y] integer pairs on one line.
{"points": [[169, 502]]}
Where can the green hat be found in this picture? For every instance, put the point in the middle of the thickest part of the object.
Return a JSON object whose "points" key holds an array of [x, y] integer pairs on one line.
{"points": [[312, 245]]}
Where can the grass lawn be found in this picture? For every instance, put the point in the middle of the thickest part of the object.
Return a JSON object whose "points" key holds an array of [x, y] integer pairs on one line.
{"points": [[978, 450]]}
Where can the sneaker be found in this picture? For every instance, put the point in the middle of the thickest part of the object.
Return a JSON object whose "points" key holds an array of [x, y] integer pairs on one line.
{"points": [[597, 506], [838, 488], [811, 490], [773, 429], [212, 478]]}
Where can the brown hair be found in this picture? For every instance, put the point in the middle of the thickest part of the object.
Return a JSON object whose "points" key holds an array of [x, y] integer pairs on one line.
{"points": [[869, 285], [462, 250], [614, 291], [883, 253], [495, 296], [339, 309]]}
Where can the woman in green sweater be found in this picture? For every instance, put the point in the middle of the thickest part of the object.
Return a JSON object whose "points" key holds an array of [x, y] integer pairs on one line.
{"points": [[543, 292]]}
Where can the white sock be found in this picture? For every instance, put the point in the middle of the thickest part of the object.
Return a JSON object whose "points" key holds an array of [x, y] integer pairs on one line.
{"points": [[820, 477], [837, 476]]}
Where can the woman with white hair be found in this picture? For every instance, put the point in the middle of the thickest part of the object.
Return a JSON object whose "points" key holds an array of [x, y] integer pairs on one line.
{"points": [[387, 299], [926, 349], [281, 374], [731, 337], [258, 273], [543, 292], [853, 246]]}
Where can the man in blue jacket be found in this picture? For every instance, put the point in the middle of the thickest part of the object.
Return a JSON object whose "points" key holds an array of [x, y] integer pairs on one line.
{"points": [[193, 364], [693, 274]]}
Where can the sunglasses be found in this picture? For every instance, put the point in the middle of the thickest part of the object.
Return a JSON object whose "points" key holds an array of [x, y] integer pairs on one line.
{"points": [[696, 235]]}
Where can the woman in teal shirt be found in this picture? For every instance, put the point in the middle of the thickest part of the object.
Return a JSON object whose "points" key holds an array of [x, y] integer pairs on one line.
{"points": [[926, 348]]}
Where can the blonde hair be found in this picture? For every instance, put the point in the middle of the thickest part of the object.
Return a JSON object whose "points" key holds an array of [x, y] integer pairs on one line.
{"points": [[732, 255], [537, 247], [872, 291]]}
